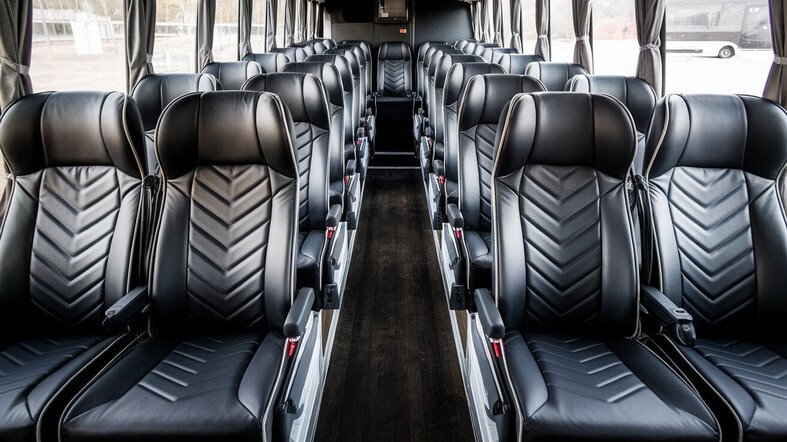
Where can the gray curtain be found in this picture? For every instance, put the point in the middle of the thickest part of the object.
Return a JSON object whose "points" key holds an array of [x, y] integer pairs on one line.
{"points": [[313, 23], [302, 20], [649, 15], [140, 32], [16, 41], [486, 26], [583, 54], [542, 27], [516, 25], [205, 19], [497, 17], [319, 25], [244, 28], [475, 14], [776, 86], [289, 22], [270, 24]]}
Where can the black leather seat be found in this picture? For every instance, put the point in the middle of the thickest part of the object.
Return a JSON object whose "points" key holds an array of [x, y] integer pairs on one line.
{"points": [[468, 47], [270, 62], [425, 67], [477, 128], [635, 93], [490, 54], [232, 74], [364, 66], [515, 63], [367, 53], [307, 102], [154, 92], [431, 64], [293, 54], [359, 100], [460, 44], [715, 168], [319, 46], [221, 284], [419, 63], [555, 76], [68, 244], [394, 70], [567, 283], [481, 47], [394, 102], [306, 46]]}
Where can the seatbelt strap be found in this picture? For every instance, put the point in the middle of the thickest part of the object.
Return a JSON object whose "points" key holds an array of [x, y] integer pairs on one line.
{"points": [[642, 197]]}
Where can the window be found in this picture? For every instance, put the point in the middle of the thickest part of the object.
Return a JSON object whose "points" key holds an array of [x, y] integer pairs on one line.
{"points": [[78, 45], [225, 31], [176, 40], [529, 34], [282, 4], [258, 15], [563, 38], [720, 46], [615, 47]]}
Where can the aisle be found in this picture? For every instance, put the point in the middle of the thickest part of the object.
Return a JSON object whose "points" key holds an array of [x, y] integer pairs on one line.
{"points": [[394, 373]]}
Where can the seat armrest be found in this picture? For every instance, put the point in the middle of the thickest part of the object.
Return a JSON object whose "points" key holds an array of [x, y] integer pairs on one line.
{"points": [[454, 215], [129, 307], [334, 216], [295, 324], [350, 168], [491, 321], [675, 321]]}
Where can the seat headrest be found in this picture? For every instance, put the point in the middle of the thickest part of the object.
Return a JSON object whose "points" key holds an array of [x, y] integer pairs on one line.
{"points": [[270, 62], [232, 74], [486, 95], [335, 81], [349, 55], [481, 47], [293, 54], [460, 74], [448, 60], [515, 63], [225, 128], [717, 131], [305, 45], [359, 53], [431, 50], [61, 129], [462, 43], [434, 60], [469, 47], [566, 129], [303, 94], [425, 47], [635, 93], [394, 50], [555, 76], [154, 92], [319, 47], [490, 54]]}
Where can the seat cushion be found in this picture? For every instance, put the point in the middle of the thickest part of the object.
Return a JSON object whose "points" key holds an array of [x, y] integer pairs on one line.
{"points": [[601, 388], [32, 371], [336, 192], [752, 378], [479, 257], [194, 388], [310, 246]]}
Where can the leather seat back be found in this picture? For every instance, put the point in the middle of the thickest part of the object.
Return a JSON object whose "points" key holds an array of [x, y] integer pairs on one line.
{"points": [[479, 114], [70, 243], [445, 63], [431, 64], [455, 83], [358, 84], [394, 70], [460, 44], [232, 74], [225, 156], [490, 54], [340, 102], [270, 62], [307, 102], [363, 65], [715, 167], [367, 53], [154, 92], [419, 63], [481, 47], [469, 47], [318, 46], [425, 68], [515, 63], [554, 75], [308, 49], [293, 54], [565, 258]]}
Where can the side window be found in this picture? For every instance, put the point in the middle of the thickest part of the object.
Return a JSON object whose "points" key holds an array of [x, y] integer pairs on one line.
{"points": [[176, 39], [563, 38], [258, 15], [529, 34], [225, 31], [615, 46]]}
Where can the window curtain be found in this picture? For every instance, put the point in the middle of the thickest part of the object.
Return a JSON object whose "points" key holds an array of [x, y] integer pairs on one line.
{"points": [[244, 28], [319, 22], [542, 27], [583, 53], [206, 17], [516, 25], [302, 23], [497, 17], [486, 28], [289, 22], [649, 16], [16, 42], [475, 20], [776, 86], [270, 24], [313, 27]]}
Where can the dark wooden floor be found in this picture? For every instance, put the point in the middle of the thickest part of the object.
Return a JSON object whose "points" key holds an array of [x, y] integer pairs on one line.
{"points": [[394, 373]]}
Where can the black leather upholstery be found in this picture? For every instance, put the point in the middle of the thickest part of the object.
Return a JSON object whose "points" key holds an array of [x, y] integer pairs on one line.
{"points": [[491, 53], [419, 63], [319, 46], [431, 64], [394, 70], [232, 74], [425, 68], [721, 244], [566, 279], [307, 103], [477, 127], [306, 46], [270, 62], [468, 47], [460, 44], [515, 63], [635, 93], [293, 54], [481, 47], [554, 75], [221, 281], [359, 99], [69, 240], [364, 69], [154, 92], [367, 53]]}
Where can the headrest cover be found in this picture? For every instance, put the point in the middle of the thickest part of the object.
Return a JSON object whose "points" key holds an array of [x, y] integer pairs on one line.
{"points": [[566, 129], [225, 128], [154, 92], [303, 94], [232, 74], [60, 129], [717, 131], [449, 60], [270, 62], [486, 95], [394, 50], [554, 75], [341, 63], [325, 71], [460, 74]]}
